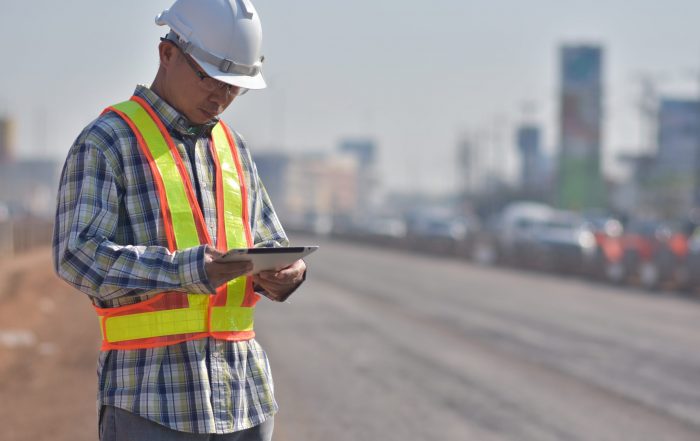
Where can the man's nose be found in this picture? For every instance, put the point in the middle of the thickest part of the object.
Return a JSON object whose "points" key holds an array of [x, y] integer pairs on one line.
{"points": [[220, 96], [224, 95]]}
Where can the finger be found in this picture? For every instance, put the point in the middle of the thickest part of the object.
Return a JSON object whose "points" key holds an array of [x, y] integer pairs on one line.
{"points": [[272, 284], [289, 277], [296, 267], [225, 271], [276, 278], [275, 286], [272, 287], [268, 275], [212, 253], [283, 274]]}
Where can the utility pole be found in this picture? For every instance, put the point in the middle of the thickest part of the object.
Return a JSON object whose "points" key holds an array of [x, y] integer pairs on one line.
{"points": [[696, 198], [466, 163], [647, 105]]}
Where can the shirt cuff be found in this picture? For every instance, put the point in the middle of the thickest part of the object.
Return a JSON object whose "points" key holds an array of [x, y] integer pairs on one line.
{"points": [[193, 275]]}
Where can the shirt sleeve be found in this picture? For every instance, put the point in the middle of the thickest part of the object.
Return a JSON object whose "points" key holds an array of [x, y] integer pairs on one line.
{"points": [[84, 252]]}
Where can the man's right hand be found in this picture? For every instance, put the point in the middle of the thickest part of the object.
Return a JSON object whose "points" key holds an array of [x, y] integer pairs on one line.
{"points": [[221, 272]]}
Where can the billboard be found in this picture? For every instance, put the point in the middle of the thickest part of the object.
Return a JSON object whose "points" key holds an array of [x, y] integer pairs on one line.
{"points": [[679, 133], [580, 183], [677, 170]]}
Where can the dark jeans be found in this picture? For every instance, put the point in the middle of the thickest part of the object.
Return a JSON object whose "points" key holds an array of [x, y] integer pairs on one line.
{"points": [[119, 425]]}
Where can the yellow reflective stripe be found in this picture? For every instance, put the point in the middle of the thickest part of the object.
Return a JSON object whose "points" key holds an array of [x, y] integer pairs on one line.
{"points": [[159, 323], [233, 209], [231, 319], [155, 324], [233, 205], [184, 227], [235, 291], [179, 321]]}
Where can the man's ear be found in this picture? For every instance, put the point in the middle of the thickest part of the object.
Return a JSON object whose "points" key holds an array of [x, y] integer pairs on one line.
{"points": [[166, 51]]}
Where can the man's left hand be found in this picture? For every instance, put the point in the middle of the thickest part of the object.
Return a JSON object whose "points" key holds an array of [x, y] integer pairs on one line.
{"points": [[278, 285]]}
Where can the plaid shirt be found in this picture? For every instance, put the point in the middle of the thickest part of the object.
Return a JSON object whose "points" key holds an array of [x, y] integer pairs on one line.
{"points": [[109, 242]]}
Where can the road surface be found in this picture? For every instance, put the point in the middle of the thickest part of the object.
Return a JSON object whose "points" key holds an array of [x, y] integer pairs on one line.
{"points": [[386, 345], [394, 346]]}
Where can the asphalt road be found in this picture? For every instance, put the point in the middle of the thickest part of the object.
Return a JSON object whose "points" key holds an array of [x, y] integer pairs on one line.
{"points": [[384, 345]]}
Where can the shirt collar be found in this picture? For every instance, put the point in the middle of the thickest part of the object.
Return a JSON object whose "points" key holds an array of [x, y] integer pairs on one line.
{"points": [[173, 120]]}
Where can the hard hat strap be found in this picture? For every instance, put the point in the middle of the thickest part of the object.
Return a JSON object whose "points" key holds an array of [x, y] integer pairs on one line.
{"points": [[224, 65]]}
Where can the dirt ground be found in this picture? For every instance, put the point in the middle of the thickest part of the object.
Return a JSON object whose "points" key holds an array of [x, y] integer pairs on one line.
{"points": [[49, 341]]}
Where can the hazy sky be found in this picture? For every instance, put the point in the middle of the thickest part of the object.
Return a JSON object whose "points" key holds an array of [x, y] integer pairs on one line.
{"points": [[413, 75]]}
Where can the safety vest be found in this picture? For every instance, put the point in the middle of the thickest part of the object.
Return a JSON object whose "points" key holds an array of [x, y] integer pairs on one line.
{"points": [[174, 317]]}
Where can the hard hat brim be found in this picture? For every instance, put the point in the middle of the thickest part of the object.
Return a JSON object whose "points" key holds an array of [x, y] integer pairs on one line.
{"points": [[239, 80]]}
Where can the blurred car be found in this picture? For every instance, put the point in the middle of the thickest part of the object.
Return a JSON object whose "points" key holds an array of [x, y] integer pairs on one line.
{"points": [[607, 263], [692, 263], [639, 244], [442, 234], [485, 248], [509, 237], [383, 230], [564, 243], [670, 254]]}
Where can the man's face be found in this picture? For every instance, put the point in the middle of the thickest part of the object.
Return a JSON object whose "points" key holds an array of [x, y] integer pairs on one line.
{"points": [[186, 91]]}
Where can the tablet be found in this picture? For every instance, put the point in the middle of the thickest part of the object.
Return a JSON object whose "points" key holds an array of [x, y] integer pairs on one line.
{"points": [[267, 258]]}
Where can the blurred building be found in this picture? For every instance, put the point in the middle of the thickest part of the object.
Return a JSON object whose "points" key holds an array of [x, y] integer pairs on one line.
{"points": [[29, 187], [679, 131], [580, 183], [322, 191], [6, 140], [364, 149], [365, 152], [676, 172], [534, 172], [272, 168], [312, 191], [633, 196]]}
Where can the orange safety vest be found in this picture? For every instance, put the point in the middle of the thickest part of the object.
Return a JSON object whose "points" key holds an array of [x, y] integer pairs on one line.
{"points": [[174, 317]]}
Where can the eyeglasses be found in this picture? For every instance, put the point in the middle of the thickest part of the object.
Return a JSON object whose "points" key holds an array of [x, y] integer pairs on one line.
{"points": [[208, 83]]}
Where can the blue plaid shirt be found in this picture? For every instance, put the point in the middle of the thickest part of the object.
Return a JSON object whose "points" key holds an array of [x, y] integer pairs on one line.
{"points": [[109, 242]]}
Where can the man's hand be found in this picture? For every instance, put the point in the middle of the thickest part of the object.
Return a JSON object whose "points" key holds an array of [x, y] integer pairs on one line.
{"points": [[278, 285], [221, 272]]}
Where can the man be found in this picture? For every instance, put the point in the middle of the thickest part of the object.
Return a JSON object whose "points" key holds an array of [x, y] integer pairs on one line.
{"points": [[151, 193]]}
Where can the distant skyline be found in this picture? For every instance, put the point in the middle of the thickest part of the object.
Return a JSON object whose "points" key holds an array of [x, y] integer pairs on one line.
{"points": [[413, 75]]}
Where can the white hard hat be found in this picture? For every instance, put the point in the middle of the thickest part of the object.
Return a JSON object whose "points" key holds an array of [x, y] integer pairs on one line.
{"points": [[223, 36]]}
